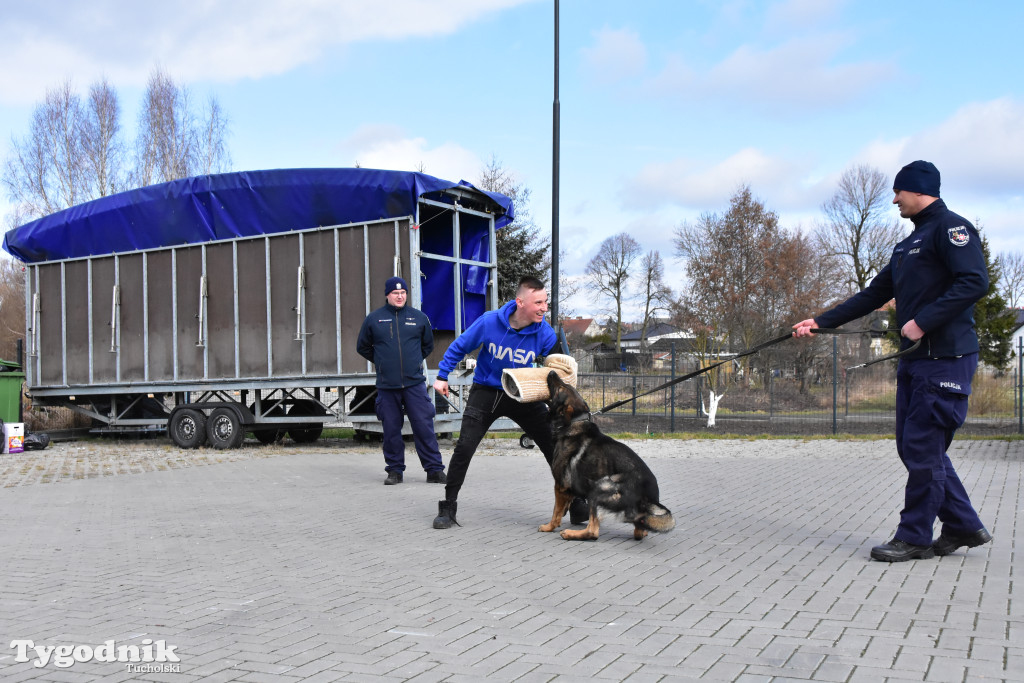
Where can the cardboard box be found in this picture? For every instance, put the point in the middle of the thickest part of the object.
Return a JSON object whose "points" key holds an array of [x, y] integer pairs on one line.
{"points": [[14, 437]]}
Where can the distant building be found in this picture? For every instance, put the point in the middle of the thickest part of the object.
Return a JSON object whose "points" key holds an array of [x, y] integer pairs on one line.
{"points": [[581, 327], [656, 332]]}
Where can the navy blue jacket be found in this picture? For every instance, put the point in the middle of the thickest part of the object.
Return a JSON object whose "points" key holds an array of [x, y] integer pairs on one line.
{"points": [[396, 340], [936, 275]]}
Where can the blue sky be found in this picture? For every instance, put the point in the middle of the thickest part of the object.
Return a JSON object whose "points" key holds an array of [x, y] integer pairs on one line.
{"points": [[667, 106]]}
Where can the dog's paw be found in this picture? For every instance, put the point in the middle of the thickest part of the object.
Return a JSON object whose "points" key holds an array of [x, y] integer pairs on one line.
{"points": [[580, 535], [547, 527]]}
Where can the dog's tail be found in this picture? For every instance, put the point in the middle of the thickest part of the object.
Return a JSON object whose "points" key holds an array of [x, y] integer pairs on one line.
{"points": [[657, 518]]}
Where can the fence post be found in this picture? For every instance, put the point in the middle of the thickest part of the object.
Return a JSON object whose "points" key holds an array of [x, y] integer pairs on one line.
{"points": [[1020, 386], [771, 394], [672, 400], [835, 382], [634, 395]]}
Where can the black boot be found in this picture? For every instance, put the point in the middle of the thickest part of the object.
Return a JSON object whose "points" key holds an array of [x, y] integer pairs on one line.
{"points": [[446, 514], [579, 511]]}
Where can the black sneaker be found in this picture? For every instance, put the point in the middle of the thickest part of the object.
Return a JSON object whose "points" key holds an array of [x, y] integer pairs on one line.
{"points": [[394, 477], [949, 542], [901, 551], [438, 477]]}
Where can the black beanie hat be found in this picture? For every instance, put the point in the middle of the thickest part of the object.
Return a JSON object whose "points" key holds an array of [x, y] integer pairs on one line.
{"points": [[394, 283], [918, 176]]}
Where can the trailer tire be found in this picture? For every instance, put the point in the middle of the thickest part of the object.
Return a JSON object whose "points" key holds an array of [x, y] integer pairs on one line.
{"points": [[311, 431], [187, 428], [224, 429], [269, 435]]}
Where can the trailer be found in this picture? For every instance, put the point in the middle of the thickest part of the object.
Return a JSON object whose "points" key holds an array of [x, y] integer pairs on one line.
{"points": [[231, 303]]}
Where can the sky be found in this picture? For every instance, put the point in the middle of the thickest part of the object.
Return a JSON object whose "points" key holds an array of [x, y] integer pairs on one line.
{"points": [[667, 107]]}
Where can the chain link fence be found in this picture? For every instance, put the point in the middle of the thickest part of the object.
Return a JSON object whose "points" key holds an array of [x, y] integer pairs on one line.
{"points": [[827, 399]]}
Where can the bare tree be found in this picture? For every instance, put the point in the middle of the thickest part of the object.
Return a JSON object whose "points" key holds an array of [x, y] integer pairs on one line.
{"points": [[75, 149], [173, 141], [102, 147], [609, 272], [728, 268], [857, 228], [12, 306], [1011, 285], [44, 172], [522, 250], [653, 292]]}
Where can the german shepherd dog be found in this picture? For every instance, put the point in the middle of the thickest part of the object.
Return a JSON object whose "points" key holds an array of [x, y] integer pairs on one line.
{"points": [[586, 463]]}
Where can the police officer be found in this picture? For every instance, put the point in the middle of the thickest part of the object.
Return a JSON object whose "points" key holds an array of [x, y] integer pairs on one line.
{"points": [[396, 338], [936, 275]]}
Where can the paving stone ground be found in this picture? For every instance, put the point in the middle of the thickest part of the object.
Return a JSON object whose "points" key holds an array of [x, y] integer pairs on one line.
{"points": [[297, 564]]}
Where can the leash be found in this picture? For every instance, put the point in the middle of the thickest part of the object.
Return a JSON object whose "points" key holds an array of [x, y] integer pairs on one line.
{"points": [[751, 351]]}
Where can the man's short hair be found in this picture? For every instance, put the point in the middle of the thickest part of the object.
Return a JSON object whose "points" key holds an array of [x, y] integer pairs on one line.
{"points": [[529, 282]]}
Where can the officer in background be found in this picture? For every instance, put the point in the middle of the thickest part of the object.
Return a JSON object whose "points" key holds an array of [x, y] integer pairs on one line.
{"points": [[396, 338], [936, 275]]}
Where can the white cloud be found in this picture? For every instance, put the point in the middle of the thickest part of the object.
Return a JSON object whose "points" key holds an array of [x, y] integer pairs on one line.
{"points": [[784, 16], [616, 55], [802, 73], [978, 149], [220, 41], [387, 147], [688, 184]]}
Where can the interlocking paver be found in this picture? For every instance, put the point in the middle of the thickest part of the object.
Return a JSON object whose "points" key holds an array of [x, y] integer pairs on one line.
{"points": [[295, 563]]}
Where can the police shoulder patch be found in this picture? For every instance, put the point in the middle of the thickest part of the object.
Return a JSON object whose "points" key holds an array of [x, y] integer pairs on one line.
{"points": [[959, 236]]}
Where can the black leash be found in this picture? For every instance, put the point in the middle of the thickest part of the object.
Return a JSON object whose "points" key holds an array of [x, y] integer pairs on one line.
{"points": [[751, 351]]}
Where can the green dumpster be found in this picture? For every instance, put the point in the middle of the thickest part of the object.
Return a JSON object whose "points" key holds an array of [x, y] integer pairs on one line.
{"points": [[11, 379]]}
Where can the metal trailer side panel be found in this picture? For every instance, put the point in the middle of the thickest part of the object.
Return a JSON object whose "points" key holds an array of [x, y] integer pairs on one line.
{"points": [[160, 316], [252, 308], [220, 309], [104, 361], [284, 270], [74, 329], [352, 297], [130, 335], [319, 324]]}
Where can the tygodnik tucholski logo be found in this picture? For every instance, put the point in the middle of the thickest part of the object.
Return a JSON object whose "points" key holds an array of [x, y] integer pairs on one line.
{"points": [[148, 657]]}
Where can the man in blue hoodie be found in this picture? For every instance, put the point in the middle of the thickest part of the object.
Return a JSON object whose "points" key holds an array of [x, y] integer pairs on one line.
{"points": [[936, 275], [513, 336], [396, 338]]}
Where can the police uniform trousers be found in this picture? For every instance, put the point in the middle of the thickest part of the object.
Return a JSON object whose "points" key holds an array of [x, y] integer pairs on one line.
{"points": [[931, 404], [391, 406], [485, 405]]}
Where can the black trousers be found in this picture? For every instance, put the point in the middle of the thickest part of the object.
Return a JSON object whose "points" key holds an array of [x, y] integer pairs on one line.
{"points": [[484, 406]]}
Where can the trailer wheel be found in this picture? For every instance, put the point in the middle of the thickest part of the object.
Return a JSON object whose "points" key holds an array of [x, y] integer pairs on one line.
{"points": [[311, 431], [224, 429], [525, 441], [187, 428], [269, 435]]}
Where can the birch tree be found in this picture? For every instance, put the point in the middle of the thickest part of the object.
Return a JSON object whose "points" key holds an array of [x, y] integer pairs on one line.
{"points": [[609, 273]]}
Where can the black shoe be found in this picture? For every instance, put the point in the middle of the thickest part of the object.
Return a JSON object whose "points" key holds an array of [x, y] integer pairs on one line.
{"points": [[438, 477], [446, 514], [579, 511], [949, 542], [394, 477], [901, 551]]}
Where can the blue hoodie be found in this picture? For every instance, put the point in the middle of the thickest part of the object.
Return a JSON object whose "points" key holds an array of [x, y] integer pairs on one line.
{"points": [[503, 347]]}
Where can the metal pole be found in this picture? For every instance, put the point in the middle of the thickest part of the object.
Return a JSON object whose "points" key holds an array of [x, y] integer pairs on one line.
{"points": [[672, 401], [1020, 385], [835, 382], [555, 114]]}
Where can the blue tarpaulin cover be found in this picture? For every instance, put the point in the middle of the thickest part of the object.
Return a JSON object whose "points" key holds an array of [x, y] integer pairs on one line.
{"points": [[230, 205]]}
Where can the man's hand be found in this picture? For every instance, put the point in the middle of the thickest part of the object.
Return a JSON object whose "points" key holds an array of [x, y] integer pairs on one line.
{"points": [[441, 387], [804, 327], [911, 331]]}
